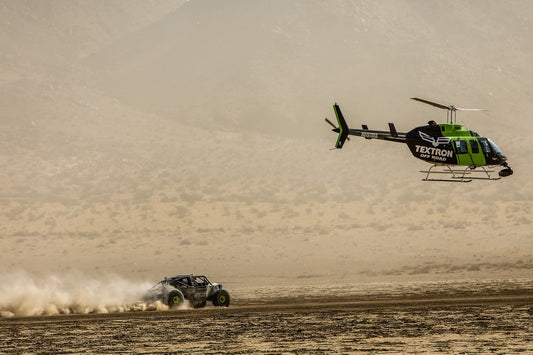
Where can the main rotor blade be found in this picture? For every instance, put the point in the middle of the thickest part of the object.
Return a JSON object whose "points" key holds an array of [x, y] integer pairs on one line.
{"points": [[432, 103], [470, 109], [332, 125], [450, 107]]}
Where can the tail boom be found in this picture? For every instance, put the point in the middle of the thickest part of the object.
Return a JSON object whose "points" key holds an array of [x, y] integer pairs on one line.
{"points": [[344, 131]]}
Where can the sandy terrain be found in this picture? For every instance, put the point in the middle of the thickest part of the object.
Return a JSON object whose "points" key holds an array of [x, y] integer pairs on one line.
{"points": [[401, 318]]}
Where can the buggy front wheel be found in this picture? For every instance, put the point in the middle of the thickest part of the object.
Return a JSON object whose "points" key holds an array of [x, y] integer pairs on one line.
{"points": [[221, 298]]}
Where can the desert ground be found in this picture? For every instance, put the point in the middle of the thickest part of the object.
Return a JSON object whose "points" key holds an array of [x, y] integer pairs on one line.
{"points": [[143, 139], [467, 317]]}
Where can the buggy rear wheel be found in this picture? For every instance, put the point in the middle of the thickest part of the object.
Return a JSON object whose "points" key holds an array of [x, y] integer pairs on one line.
{"points": [[175, 298], [221, 298]]}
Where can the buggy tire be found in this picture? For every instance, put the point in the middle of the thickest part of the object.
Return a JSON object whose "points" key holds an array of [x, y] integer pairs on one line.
{"points": [[221, 298], [175, 298]]}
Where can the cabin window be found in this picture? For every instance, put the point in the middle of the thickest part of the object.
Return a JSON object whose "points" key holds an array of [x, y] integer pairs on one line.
{"points": [[474, 146], [485, 147], [460, 146]]}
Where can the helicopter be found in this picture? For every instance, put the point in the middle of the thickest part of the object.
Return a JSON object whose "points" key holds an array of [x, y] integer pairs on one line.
{"points": [[455, 153]]}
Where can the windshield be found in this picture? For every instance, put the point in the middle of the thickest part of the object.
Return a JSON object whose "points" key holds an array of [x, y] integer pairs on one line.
{"points": [[494, 146]]}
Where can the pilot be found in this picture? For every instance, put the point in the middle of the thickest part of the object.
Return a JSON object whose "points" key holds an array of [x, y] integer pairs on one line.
{"points": [[432, 123]]}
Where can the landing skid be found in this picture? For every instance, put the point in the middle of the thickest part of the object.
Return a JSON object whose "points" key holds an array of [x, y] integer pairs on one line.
{"points": [[459, 175]]}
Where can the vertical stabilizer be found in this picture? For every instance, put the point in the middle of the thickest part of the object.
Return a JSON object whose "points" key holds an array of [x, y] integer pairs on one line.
{"points": [[343, 127]]}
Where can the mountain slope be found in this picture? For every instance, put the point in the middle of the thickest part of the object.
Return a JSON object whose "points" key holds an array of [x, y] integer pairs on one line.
{"points": [[137, 138]]}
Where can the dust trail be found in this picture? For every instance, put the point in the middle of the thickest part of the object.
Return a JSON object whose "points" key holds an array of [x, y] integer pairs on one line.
{"points": [[22, 294]]}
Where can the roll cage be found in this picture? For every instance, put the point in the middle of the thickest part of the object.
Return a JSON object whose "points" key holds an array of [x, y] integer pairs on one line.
{"points": [[188, 281]]}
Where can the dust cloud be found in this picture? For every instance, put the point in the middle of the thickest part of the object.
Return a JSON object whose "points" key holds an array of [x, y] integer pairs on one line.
{"points": [[22, 294]]}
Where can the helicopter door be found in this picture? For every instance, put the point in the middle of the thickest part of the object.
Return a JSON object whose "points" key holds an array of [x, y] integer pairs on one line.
{"points": [[462, 153], [477, 156]]}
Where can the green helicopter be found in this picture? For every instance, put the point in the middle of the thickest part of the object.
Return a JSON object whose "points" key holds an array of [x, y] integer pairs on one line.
{"points": [[456, 153]]}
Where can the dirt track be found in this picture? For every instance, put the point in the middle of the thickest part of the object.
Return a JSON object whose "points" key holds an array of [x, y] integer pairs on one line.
{"points": [[498, 324]]}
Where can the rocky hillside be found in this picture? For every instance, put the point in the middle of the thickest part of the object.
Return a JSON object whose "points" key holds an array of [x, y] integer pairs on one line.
{"points": [[135, 133]]}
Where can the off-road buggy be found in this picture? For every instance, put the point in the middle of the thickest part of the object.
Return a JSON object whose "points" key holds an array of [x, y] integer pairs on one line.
{"points": [[197, 289]]}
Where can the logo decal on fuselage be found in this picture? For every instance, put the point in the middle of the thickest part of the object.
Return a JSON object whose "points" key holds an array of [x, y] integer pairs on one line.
{"points": [[434, 154], [435, 141]]}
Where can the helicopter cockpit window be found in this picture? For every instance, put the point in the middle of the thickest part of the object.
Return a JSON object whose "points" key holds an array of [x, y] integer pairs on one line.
{"points": [[474, 146], [460, 147], [494, 146], [485, 147]]}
